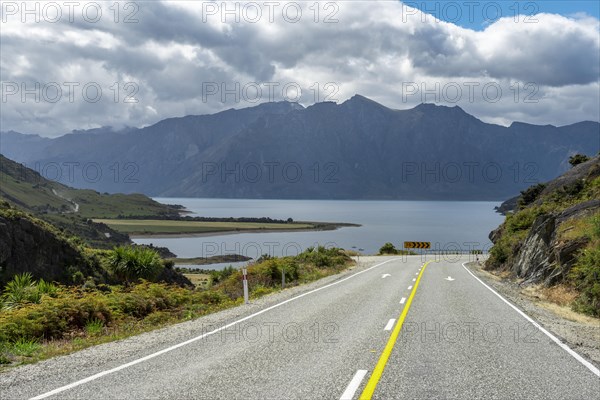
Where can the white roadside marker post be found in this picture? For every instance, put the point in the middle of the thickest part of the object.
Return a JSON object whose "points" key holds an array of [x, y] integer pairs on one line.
{"points": [[245, 281]]}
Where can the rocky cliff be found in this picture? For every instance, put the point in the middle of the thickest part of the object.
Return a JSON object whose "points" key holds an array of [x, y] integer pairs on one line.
{"points": [[547, 236]]}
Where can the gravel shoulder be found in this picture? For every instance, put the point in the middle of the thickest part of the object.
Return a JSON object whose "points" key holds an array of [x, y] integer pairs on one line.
{"points": [[579, 332]]}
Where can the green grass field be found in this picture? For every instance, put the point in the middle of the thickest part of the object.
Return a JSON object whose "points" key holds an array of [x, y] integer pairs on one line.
{"points": [[96, 205], [146, 226]]}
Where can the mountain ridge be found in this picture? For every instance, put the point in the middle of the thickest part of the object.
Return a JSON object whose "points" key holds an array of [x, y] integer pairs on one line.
{"points": [[358, 149]]}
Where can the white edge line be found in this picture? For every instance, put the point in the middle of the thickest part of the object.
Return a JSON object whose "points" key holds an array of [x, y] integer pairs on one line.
{"points": [[354, 384], [390, 325], [569, 350], [402, 300], [168, 349]]}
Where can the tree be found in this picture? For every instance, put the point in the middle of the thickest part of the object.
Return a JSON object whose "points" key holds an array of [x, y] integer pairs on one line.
{"points": [[578, 159], [388, 248], [530, 195]]}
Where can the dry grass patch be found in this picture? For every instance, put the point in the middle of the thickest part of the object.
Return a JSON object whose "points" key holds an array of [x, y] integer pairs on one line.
{"points": [[199, 280], [560, 295], [558, 300]]}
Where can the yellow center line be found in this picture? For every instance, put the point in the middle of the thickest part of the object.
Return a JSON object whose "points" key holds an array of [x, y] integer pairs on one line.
{"points": [[383, 359]]}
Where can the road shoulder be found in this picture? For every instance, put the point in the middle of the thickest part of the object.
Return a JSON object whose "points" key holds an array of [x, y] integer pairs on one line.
{"points": [[579, 332]]}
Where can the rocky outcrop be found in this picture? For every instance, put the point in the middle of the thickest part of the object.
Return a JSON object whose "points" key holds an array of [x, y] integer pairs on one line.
{"points": [[28, 245], [543, 257], [507, 206], [547, 253], [534, 256]]}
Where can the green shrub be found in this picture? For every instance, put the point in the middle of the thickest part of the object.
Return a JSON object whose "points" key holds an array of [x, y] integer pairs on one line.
{"points": [[595, 222], [323, 257], [217, 276], [47, 288], [388, 248], [158, 318], [20, 290], [25, 347], [132, 263], [505, 249], [131, 304], [260, 291], [94, 326], [52, 318], [499, 254], [530, 195], [522, 220], [77, 277], [585, 275], [578, 159], [573, 189]]}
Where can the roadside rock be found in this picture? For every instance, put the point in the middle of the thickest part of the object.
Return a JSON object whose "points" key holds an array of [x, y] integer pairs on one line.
{"points": [[536, 256], [543, 257]]}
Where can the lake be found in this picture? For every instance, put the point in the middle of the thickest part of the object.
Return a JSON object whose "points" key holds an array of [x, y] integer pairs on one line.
{"points": [[450, 225]]}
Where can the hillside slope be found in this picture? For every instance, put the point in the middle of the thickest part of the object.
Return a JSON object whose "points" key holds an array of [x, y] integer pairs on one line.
{"points": [[72, 209], [358, 149], [554, 236], [28, 244]]}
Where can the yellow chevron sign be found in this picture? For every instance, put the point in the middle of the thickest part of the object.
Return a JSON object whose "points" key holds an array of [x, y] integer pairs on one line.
{"points": [[417, 245]]}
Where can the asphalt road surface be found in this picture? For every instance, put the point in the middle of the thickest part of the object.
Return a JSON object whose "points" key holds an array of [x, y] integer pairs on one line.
{"points": [[393, 328]]}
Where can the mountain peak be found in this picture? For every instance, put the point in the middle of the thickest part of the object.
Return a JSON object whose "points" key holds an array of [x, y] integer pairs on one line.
{"points": [[281, 106], [436, 107], [357, 98], [360, 101]]}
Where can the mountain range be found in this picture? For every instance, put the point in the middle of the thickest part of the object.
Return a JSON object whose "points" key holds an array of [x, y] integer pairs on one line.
{"points": [[358, 149]]}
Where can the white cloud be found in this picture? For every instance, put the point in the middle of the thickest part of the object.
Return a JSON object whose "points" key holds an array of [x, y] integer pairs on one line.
{"points": [[377, 49]]}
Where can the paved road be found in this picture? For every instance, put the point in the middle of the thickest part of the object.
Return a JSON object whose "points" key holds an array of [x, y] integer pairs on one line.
{"points": [[458, 340]]}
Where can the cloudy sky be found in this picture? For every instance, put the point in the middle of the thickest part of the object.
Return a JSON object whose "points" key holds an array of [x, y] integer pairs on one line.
{"points": [[134, 63]]}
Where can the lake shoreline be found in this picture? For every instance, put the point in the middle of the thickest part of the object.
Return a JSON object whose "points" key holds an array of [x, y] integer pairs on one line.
{"points": [[452, 224], [166, 235]]}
